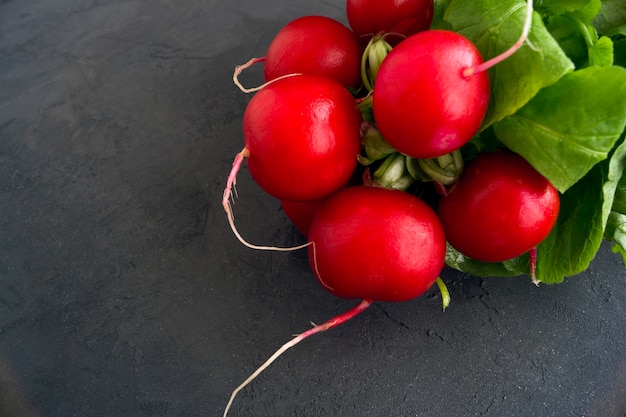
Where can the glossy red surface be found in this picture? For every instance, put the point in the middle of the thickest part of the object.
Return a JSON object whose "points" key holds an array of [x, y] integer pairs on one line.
{"points": [[405, 17], [500, 209], [303, 136], [315, 45], [376, 243], [423, 105]]}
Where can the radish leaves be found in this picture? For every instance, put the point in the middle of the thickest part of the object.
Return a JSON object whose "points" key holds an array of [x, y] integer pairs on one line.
{"points": [[616, 226], [611, 19], [511, 268], [585, 211], [560, 102], [570, 126], [494, 25]]}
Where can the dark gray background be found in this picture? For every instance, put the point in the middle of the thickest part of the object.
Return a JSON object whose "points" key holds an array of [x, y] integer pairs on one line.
{"points": [[124, 293]]}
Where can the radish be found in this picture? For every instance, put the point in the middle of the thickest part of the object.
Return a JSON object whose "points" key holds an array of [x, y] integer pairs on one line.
{"points": [[403, 17], [432, 91], [301, 213], [500, 208], [315, 45], [423, 105], [383, 23], [301, 138], [374, 244], [370, 243]]}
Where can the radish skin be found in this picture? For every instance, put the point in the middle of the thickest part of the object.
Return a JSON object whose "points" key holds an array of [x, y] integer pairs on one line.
{"points": [[432, 91]]}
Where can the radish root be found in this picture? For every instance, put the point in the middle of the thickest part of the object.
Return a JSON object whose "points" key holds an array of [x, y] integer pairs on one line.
{"points": [[228, 199], [334, 322], [316, 269], [506, 54], [533, 266], [241, 68]]}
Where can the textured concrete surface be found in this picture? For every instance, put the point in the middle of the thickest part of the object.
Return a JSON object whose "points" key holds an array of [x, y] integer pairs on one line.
{"points": [[123, 292]]}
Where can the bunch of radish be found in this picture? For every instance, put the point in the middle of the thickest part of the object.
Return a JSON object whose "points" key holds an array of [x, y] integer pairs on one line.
{"points": [[364, 133]]}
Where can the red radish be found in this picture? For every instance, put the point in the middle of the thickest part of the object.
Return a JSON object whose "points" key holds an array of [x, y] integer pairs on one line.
{"points": [[423, 104], [366, 242], [315, 45], [432, 91], [404, 17], [500, 208], [370, 243], [376, 243], [301, 213], [301, 137]]}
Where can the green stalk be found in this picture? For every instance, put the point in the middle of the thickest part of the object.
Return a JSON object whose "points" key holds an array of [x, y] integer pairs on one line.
{"points": [[373, 56], [445, 294]]}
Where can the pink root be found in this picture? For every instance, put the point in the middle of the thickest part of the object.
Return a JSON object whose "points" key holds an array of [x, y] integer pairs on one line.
{"points": [[241, 68], [232, 180], [533, 266], [228, 199], [334, 322]]}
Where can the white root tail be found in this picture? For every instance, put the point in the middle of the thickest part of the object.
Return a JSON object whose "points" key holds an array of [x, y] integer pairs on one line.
{"points": [[239, 69], [334, 322], [228, 199]]}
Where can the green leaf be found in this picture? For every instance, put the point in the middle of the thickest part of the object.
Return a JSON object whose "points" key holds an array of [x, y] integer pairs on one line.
{"points": [[579, 40], [619, 205], [439, 9], [557, 7], [616, 223], [589, 12], [493, 26], [601, 52], [569, 127], [611, 19], [584, 219], [566, 29], [576, 237], [614, 187], [619, 50], [512, 268]]}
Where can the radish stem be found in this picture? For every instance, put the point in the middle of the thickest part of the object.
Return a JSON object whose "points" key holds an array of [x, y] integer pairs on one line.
{"points": [[445, 294], [374, 54], [336, 321], [506, 54]]}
